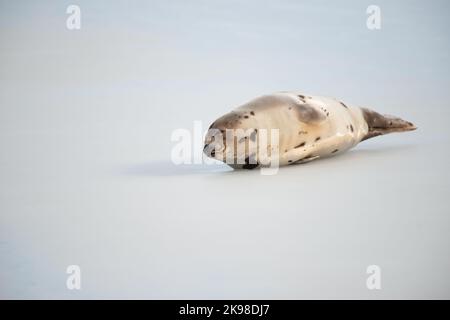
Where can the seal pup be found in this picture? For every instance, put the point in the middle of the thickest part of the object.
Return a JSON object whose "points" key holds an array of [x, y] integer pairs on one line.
{"points": [[309, 128]]}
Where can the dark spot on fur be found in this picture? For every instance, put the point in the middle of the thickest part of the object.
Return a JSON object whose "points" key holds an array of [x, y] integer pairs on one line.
{"points": [[252, 113], [301, 96], [246, 117], [290, 161], [249, 165], [300, 145], [351, 128], [335, 150], [302, 132], [343, 104], [317, 139], [302, 159]]}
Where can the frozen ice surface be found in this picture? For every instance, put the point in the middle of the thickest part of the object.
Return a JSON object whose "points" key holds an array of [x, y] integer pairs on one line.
{"points": [[85, 174]]}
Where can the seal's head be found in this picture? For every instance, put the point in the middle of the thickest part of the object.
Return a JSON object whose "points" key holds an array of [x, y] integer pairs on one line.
{"points": [[243, 137], [233, 139]]}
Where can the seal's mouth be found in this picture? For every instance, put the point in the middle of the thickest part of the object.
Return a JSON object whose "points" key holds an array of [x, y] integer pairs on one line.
{"points": [[235, 160], [230, 155]]}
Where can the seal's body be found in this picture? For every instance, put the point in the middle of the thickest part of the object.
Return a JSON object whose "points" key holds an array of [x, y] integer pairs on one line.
{"points": [[309, 127]]}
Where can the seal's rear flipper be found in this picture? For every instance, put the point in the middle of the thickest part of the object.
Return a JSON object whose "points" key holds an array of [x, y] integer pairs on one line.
{"points": [[383, 124]]}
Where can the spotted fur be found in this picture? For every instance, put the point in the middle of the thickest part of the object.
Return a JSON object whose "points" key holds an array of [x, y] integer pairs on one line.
{"points": [[310, 127]]}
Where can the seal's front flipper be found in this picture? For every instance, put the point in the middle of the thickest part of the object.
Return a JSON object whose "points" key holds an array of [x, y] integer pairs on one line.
{"points": [[309, 113], [383, 124]]}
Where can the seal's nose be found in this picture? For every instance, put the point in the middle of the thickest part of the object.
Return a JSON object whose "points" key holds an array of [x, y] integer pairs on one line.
{"points": [[209, 150]]}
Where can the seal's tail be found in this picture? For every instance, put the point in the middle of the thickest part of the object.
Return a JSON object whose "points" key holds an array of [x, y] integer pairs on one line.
{"points": [[383, 124]]}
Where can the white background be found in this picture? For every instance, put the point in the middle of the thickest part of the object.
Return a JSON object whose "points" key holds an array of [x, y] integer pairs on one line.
{"points": [[86, 178]]}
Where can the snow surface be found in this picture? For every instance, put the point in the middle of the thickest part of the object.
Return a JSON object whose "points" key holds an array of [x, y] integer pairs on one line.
{"points": [[85, 173]]}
